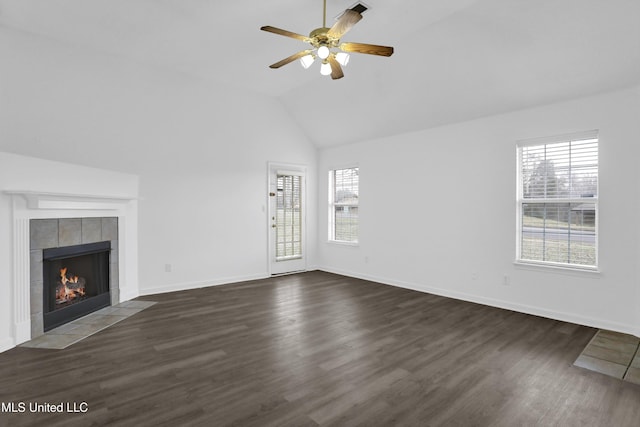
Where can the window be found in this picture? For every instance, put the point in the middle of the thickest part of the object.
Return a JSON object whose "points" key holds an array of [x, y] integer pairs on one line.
{"points": [[558, 200], [288, 217], [343, 205]]}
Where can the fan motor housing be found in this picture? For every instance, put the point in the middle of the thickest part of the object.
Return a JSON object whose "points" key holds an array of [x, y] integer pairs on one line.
{"points": [[319, 37]]}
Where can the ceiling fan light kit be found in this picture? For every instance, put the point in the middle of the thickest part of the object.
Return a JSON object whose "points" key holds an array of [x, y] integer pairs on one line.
{"points": [[326, 43], [325, 69], [307, 60], [342, 58]]}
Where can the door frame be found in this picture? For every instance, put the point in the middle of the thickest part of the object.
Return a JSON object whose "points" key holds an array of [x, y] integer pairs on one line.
{"points": [[272, 169]]}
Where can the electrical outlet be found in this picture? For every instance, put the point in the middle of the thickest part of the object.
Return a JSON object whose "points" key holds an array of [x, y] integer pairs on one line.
{"points": [[506, 281], [167, 268]]}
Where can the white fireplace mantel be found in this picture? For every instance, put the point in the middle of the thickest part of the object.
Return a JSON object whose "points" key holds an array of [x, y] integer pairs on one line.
{"points": [[45, 200]]}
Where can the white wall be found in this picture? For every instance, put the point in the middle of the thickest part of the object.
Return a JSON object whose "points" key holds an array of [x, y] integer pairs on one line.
{"points": [[200, 150], [438, 213], [204, 210]]}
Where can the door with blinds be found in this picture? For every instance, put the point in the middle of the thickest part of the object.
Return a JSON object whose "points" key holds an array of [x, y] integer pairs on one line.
{"points": [[287, 219]]}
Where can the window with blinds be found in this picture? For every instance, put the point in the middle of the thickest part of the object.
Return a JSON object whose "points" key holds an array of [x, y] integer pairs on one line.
{"points": [[288, 217], [558, 200], [343, 205]]}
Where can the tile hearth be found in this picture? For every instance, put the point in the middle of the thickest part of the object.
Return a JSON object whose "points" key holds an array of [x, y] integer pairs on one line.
{"points": [[79, 329], [613, 354]]}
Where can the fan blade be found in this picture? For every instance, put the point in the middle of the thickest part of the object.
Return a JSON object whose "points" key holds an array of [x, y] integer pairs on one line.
{"points": [[336, 69], [291, 58], [369, 49], [270, 29], [348, 19]]}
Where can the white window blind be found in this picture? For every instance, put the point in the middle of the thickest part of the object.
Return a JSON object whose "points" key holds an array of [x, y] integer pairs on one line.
{"points": [[558, 200], [288, 217], [343, 204]]}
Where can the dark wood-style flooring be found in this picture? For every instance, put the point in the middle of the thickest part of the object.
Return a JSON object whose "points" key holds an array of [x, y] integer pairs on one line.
{"points": [[319, 349]]}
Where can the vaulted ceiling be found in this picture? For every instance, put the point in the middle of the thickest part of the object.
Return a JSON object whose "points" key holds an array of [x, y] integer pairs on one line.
{"points": [[454, 60]]}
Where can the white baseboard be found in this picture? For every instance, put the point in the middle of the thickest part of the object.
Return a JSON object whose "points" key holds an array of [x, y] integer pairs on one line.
{"points": [[174, 287], [522, 308], [22, 332], [6, 344], [128, 296]]}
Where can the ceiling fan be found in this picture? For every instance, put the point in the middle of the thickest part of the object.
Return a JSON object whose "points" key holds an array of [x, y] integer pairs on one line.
{"points": [[325, 41]]}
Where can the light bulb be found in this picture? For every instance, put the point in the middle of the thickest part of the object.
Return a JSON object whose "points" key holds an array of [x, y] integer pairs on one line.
{"points": [[342, 58], [325, 69], [323, 52], [306, 61]]}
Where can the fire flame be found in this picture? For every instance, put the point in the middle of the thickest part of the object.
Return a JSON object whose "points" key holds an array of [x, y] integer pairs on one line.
{"points": [[66, 293], [64, 279]]}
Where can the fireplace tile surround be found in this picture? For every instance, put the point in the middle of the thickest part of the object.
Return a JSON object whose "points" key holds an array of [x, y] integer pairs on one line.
{"points": [[60, 232]]}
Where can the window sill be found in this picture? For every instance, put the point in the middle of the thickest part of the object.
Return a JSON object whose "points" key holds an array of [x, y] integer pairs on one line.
{"points": [[342, 243], [557, 268], [288, 258]]}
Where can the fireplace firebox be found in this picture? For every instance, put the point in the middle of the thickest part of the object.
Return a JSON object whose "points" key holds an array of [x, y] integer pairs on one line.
{"points": [[76, 282]]}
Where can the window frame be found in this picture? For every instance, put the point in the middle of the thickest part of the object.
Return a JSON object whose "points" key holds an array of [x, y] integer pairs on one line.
{"points": [[521, 201], [331, 237]]}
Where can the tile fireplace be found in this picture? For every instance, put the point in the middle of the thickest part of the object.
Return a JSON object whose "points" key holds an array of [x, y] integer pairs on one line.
{"points": [[88, 206], [74, 269]]}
